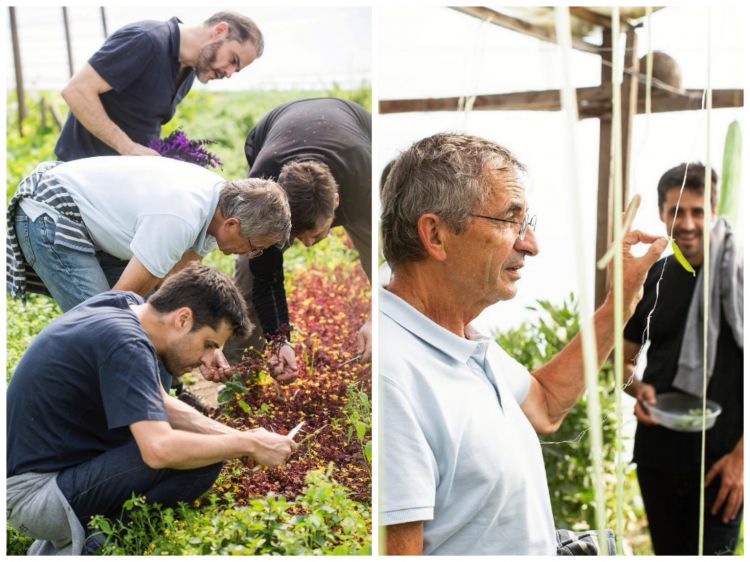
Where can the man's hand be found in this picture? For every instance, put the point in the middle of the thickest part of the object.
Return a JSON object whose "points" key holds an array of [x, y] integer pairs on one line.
{"points": [[364, 341], [217, 370], [731, 493], [634, 269], [644, 394], [135, 149], [284, 365], [270, 449]]}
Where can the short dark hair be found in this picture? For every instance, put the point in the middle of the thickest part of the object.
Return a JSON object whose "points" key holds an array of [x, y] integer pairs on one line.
{"points": [[695, 180], [211, 296], [311, 189], [445, 174], [240, 28]]}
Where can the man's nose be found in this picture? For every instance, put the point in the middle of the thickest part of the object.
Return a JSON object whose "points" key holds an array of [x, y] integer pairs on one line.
{"points": [[529, 244]]}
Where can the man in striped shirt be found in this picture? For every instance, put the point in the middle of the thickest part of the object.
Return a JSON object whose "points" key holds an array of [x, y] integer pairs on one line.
{"points": [[79, 228]]}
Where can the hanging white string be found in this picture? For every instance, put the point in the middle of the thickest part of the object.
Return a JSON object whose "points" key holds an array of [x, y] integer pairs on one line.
{"points": [[617, 270], [706, 262], [570, 112]]}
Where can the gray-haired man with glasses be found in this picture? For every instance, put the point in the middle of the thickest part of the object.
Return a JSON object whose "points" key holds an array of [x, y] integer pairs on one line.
{"points": [[463, 469]]}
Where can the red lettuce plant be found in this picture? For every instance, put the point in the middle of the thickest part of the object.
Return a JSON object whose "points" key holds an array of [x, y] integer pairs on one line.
{"points": [[327, 309]]}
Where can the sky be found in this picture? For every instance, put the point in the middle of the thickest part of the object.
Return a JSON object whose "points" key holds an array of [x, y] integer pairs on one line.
{"points": [[305, 47], [435, 52]]}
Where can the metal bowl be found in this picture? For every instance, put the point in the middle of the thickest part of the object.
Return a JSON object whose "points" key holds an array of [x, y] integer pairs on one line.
{"points": [[682, 412]]}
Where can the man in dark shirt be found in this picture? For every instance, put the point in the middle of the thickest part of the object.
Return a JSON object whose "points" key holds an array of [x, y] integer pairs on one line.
{"points": [[669, 461], [319, 150], [133, 83], [99, 427]]}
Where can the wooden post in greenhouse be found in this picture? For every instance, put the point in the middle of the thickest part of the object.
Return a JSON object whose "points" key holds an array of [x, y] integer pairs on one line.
{"points": [[67, 40], [104, 22], [18, 69]]}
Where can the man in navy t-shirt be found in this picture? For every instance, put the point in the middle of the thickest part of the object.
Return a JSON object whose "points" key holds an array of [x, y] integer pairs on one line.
{"points": [[88, 423], [131, 86]]}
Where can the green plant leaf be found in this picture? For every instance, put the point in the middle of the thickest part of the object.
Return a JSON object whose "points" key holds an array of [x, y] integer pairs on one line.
{"points": [[680, 258], [731, 174]]}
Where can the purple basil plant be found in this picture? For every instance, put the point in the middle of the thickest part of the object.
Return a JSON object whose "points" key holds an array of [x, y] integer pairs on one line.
{"points": [[176, 145]]}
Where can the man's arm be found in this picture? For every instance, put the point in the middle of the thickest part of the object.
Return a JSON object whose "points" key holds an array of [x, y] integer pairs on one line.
{"points": [[404, 539], [182, 416], [82, 96], [140, 280], [641, 391], [162, 446], [556, 386], [269, 301], [136, 278]]}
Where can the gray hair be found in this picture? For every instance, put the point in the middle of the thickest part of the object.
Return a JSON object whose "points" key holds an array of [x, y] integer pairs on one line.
{"points": [[260, 205], [239, 28], [441, 174]]}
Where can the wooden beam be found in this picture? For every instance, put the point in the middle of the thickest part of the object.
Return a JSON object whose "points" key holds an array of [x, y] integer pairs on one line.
{"points": [[522, 26], [538, 100], [604, 190], [589, 15], [593, 101]]}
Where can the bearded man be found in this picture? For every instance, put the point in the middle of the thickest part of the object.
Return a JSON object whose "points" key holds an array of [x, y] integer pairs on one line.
{"points": [[131, 86]]}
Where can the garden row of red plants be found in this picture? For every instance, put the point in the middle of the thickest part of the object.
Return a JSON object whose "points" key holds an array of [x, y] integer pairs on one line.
{"points": [[326, 310]]}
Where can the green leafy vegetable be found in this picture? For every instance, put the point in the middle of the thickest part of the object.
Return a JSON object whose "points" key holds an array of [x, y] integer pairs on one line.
{"points": [[680, 258]]}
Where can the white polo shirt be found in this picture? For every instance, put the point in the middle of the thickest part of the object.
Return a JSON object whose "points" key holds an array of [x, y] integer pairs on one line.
{"points": [[150, 207], [457, 451]]}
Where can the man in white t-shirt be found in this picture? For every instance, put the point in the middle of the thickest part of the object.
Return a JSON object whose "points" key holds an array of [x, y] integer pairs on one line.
{"points": [[462, 466], [80, 228]]}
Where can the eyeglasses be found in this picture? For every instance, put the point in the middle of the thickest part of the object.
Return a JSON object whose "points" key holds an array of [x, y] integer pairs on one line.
{"points": [[254, 252], [528, 221]]}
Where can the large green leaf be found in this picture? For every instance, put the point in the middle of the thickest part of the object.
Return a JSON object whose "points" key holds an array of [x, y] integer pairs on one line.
{"points": [[731, 174]]}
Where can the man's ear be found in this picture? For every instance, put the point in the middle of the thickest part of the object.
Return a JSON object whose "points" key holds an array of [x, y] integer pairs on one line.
{"points": [[232, 223], [219, 30], [184, 318], [336, 201], [432, 234]]}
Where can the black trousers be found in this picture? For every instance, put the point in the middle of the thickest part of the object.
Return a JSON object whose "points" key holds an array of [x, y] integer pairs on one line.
{"points": [[672, 500]]}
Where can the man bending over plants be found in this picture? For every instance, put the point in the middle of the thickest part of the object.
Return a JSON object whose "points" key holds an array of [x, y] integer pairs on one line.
{"points": [[463, 468], [319, 150], [88, 423], [79, 228]]}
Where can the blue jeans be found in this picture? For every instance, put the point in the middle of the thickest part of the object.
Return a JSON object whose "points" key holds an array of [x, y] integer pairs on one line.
{"points": [[71, 277], [101, 485]]}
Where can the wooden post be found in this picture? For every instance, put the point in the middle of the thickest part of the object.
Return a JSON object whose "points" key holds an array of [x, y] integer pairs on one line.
{"points": [[43, 111], [604, 193], [104, 22], [68, 40], [17, 66]]}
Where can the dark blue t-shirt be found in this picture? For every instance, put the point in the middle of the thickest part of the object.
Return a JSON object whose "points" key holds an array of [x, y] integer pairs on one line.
{"points": [[141, 63], [83, 380]]}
